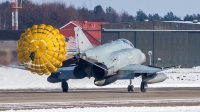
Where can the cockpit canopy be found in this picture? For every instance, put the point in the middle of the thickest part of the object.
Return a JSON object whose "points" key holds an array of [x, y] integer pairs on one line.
{"points": [[126, 41]]}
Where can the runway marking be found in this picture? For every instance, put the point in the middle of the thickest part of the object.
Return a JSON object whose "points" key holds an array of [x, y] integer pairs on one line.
{"points": [[113, 101]]}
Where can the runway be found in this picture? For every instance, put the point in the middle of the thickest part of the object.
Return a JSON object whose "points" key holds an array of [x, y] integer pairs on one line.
{"points": [[29, 99]]}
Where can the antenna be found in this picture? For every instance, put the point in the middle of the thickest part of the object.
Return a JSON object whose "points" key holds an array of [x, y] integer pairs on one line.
{"points": [[14, 7]]}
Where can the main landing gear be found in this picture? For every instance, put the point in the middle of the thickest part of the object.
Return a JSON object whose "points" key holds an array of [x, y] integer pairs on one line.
{"points": [[64, 86], [143, 87], [130, 87]]}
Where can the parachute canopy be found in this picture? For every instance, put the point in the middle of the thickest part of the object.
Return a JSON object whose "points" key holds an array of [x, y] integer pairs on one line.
{"points": [[41, 49]]}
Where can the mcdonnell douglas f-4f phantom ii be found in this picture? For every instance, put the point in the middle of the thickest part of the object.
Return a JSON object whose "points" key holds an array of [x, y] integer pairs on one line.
{"points": [[107, 63]]}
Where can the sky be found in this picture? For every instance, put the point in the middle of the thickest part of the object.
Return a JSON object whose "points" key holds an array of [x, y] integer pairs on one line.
{"points": [[179, 7]]}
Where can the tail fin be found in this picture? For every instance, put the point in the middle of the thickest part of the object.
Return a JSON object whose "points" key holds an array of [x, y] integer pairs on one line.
{"points": [[82, 42]]}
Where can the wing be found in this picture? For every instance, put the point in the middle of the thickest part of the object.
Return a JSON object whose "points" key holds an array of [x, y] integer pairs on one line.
{"points": [[129, 71], [63, 73]]}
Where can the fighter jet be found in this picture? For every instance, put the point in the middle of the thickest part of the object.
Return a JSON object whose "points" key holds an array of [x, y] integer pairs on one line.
{"points": [[107, 63]]}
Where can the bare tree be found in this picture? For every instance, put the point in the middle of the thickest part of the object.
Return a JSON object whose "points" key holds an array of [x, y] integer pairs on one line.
{"points": [[60, 13]]}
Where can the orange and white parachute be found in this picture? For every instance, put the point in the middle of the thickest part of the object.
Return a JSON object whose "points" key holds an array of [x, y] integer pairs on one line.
{"points": [[41, 49]]}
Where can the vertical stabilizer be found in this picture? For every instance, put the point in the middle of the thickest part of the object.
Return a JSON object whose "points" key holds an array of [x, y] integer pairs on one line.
{"points": [[82, 42]]}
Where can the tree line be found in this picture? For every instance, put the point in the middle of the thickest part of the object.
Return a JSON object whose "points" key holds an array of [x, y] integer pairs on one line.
{"points": [[59, 14]]}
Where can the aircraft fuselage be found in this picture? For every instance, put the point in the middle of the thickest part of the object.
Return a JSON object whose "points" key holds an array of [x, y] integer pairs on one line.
{"points": [[116, 55]]}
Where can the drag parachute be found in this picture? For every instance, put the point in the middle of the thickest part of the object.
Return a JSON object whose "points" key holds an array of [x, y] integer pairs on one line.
{"points": [[41, 49]]}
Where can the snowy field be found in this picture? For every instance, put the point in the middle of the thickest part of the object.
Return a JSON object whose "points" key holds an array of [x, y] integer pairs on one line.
{"points": [[118, 109], [12, 78]]}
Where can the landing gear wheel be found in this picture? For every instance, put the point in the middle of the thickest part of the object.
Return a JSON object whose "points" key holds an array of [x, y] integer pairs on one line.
{"points": [[64, 86], [130, 88], [143, 87]]}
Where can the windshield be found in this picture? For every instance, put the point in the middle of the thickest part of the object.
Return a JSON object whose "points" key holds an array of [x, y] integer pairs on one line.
{"points": [[127, 42]]}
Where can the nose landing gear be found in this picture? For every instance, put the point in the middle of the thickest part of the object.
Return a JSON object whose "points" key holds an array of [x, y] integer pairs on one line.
{"points": [[130, 87]]}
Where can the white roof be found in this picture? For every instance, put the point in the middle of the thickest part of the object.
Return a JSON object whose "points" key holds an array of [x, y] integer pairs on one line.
{"points": [[68, 24], [188, 22]]}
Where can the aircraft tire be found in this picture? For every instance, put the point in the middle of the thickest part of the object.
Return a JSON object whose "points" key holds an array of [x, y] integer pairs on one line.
{"points": [[130, 88], [143, 86], [64, 85]]}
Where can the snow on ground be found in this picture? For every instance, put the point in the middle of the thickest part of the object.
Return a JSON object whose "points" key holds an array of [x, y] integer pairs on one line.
{"points": [[118, 109], [13, 78]]}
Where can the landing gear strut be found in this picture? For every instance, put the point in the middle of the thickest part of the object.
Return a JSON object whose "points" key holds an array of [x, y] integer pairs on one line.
{"points": [[130, 87], [64, 86], [143, 87]]}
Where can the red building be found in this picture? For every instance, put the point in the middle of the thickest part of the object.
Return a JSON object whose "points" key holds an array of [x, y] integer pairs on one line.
{"points": [[91, 29]]}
